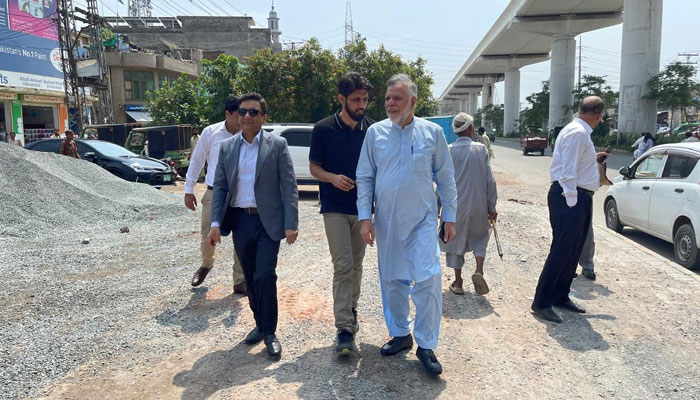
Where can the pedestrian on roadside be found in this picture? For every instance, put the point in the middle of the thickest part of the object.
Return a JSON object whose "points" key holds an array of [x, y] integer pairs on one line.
{"points": [[645, 143], [336, 142], [476, 204], [194, 139], [255, 197], [14, 140], [689, 138], [68, 147], [575, 178], [206, 151], [402, 158], [483, 139]]}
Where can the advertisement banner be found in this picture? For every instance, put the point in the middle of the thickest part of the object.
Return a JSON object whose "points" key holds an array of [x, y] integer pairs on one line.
{"points": [[29, 52]]}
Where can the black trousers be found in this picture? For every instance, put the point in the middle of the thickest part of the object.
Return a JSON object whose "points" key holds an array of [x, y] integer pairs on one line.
{"points": [[569, 229], [258, 255]]}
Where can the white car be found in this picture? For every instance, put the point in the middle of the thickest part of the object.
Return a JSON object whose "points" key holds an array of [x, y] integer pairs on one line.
{"points": [[660, 194], [299, 142]]}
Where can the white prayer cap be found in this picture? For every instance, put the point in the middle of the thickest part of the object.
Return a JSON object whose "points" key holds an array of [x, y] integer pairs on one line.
{"points": [[462, 122]]}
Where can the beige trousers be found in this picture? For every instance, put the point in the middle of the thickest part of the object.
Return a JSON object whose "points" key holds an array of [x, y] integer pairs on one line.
{"points": [[347, 251], [208, 251]]}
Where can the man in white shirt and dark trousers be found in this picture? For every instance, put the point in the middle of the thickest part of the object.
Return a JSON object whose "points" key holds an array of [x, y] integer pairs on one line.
{"points": [[575, 178], [206, 151]]}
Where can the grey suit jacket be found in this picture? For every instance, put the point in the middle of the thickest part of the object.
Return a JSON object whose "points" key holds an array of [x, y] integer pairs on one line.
{"points": [[275, 185]]}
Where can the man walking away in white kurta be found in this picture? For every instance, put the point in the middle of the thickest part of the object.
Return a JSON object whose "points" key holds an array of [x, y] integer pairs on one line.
{"points": [[476, 205]]}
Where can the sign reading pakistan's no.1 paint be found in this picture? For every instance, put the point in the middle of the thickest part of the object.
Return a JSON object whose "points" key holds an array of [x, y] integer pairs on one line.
{"points": [[29, 52]]}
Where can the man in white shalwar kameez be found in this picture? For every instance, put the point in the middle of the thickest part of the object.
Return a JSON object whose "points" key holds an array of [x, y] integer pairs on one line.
{"points": [[476, 207], [401, 157]]}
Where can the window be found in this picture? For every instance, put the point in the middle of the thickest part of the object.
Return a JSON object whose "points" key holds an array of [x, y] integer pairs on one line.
{"points": [[165, 80], [298, 138], [48, 146], [678, 166], [649, 167], [136, 83]]}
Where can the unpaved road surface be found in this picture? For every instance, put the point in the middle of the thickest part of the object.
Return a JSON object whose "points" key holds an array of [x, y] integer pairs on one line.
{"points": [[137, 330]]}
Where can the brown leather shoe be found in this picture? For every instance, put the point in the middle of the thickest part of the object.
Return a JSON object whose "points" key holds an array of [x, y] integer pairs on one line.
{"points": [[240, 289], [199, 276]]}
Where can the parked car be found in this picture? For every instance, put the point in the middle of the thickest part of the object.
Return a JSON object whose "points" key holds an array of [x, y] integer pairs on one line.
{"points": [[117, 160], [660, 194], [299, 142]]}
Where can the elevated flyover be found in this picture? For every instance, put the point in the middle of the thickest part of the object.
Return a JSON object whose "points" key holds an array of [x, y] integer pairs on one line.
{"points": [[533, 31]]}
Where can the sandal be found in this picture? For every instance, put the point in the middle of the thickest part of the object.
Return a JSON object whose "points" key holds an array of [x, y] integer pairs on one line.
{"points": [[480, 286], [454, 289]]}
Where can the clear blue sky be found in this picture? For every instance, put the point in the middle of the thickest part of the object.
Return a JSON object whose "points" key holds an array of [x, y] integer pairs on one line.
{"points": [[442, 31]]}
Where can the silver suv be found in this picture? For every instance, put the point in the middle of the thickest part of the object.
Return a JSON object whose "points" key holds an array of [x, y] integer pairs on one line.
{"points": [[299, 142]]}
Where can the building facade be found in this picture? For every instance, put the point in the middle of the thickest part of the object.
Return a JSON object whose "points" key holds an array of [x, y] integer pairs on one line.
{"points": [[235, 36], [134, 74]]}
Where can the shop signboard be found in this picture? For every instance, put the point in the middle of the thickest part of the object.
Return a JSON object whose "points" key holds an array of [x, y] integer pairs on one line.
{"points": [[29, 53]]}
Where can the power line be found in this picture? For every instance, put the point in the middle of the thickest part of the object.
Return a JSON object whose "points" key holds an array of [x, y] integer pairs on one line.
{"points": [[214, 6]]}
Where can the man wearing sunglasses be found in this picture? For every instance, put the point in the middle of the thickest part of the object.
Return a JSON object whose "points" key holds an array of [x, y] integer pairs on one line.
{"points": [[206, 151], [255, 198]]}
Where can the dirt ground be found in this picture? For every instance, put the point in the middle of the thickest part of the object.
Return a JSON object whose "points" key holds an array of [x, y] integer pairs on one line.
{"points": [[640, 338]]}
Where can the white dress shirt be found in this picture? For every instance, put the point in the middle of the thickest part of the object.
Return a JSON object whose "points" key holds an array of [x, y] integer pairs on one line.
{"points": [[574, 161], [245, 183], [206, 151]]}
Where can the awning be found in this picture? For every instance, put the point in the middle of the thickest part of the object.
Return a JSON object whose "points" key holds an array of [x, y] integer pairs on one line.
{"points": [[140, 116]]}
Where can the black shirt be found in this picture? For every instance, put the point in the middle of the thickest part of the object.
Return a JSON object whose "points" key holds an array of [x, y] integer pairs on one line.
{"points": [[336, 148]]}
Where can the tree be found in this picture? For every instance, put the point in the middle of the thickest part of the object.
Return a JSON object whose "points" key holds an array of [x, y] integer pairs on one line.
{"points": [[675, 88], [378, 66], [181, 102], [218, 81], [491, 115], [594, 85], [535, 118]]}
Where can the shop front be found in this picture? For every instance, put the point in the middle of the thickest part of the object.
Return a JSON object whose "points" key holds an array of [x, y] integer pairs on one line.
{"points": [[6, 115], [41, 115]]}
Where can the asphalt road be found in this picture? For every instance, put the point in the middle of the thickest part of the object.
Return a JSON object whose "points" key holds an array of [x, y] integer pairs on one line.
{"points": [[536, 168]]}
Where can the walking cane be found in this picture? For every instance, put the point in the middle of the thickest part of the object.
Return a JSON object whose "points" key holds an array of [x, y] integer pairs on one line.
{"points": [[498, 241]]}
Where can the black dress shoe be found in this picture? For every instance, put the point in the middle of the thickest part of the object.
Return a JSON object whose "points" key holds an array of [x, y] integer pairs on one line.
{"points": [[430, 362], [240, 289], [397, 344], [255, 336], [588, 274], [571, 306], [274, 348], [199, 276], [546, 313]]}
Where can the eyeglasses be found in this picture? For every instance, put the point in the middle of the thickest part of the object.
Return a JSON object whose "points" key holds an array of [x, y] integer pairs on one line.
{"points": [[252, 111]]}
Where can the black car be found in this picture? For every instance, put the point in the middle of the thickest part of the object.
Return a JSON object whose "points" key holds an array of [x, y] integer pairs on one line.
{"points": [[115, 159]]}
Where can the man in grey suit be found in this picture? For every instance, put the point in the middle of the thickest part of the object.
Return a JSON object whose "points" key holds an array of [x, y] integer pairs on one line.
{"points": [[255, 197]]}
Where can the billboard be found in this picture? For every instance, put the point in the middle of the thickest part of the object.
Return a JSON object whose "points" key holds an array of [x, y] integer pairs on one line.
{"points": [[29, 53]]}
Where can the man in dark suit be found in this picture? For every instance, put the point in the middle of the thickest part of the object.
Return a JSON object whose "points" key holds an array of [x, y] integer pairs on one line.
{"points": [[255, 197]]}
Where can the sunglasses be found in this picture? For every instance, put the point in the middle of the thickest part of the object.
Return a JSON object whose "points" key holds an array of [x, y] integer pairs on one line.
{"points": [[252, 111]]}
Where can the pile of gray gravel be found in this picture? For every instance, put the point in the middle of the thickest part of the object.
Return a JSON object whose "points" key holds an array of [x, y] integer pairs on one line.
{"points": [[45, 193]]}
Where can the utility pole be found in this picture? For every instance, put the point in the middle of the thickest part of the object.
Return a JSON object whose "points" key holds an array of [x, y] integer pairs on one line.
{"points": [[66, 32], [349, 32], [687, 58], [579, 62]]}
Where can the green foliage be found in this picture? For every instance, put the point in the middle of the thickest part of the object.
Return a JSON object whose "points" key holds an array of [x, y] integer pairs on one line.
{"points": [[299, 85], [675, 88], [594, 85], [492, 116], [179, 103], [535, 118], [218, 81], [106, 34]]}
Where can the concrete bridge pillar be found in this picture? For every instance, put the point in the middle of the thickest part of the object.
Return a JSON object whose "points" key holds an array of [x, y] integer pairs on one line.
{"points": [[473, 103], [561, 83], [511, 105], [641, 49], [486, 99]]}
